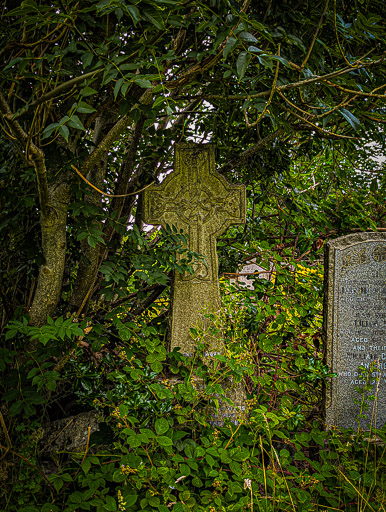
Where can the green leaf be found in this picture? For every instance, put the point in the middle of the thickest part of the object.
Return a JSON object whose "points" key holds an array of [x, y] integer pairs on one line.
{"points": [[124, 88], [16, 408], [210, 460], [86, 466], [164, 441], [229, 45], [236, 468], [48, 130], [134, 13], [161, 426], [254, 49], [130, 499], [242, 63], [11, 395], [49, 507], [12, 63], [197, 482], [85, 108], [87, 59], [111, 504], [143, 82], [247, 36], [117, 87], [64, 132], [280, 59], [75, 122], [158, 101], [88, 91], [155, 19], [354, 121]]}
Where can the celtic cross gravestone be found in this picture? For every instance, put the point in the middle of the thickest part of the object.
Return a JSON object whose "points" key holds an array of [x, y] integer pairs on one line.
{"points": [[355, 328], [198, 200]]}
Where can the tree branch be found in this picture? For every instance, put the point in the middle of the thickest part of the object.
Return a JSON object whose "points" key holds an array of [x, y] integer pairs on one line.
{"points": [[77, 80], [285, 87], [148, 301], [240, 159], [112, 136], [33, 155], [53, 220]]}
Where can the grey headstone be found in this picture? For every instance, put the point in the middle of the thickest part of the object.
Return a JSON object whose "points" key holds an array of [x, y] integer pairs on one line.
{"points": [[354, 326], [246, 274]]}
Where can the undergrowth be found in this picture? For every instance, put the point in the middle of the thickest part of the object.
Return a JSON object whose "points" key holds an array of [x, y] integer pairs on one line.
{"points": [[157, 446]]}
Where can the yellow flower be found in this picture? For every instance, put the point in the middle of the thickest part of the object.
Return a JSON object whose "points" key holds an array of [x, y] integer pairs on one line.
{"points": [[121, 503]]}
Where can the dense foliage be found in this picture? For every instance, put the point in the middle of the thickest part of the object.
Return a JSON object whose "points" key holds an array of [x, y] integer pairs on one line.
{"points": [[93, 98]]}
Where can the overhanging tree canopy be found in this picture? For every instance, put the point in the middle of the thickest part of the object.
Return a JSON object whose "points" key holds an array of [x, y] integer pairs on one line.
{"points": [[104, 89]]}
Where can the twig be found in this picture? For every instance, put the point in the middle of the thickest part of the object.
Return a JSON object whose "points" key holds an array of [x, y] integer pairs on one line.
{"points": [[315, 36], [106, 193], [261, 116], [56, 437], [85, 451], [250, 151], [285, 87], [6, 434], [30, 464]]}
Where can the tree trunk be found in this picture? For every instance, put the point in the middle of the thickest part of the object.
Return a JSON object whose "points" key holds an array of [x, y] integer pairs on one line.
{"points": [[53, 225], [89, 261]]}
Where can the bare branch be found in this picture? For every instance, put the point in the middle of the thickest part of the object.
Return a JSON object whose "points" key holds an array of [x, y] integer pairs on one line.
{"points": [[240, 159], [77, 80], [111, 137], [285, 87], [34, 157]]}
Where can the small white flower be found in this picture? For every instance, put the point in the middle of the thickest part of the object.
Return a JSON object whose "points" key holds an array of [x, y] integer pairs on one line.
{"points": [[247, 483]]}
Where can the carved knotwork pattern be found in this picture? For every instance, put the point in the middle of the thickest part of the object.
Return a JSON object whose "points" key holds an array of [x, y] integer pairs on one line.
{"points": [[379, 253], [354, 257]]}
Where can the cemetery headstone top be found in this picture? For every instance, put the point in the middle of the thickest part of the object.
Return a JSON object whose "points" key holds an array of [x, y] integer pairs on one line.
{"points": [[198, 200], [248, 272], [354, 327]]}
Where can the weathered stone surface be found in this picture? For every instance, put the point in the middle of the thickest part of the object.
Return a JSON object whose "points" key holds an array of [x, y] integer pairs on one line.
{"points": [[249, 270], [198, 200], [69, 434], [354, 325], [215, 416]]}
